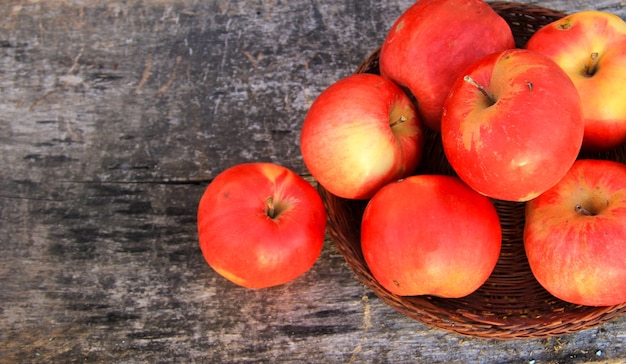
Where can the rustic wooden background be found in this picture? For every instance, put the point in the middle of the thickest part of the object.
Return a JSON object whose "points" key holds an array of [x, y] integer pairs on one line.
{"points": [[115, 115]]}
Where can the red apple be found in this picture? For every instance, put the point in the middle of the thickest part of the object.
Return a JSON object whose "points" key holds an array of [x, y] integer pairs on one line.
{"points": [[431, 43], [591, 47], [361, 133], [430, 235], [512, 126], [575, 235], [260, 225]]}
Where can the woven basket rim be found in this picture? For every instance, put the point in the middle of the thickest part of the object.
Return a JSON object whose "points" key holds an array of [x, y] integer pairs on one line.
{"points": [[487, 313]]}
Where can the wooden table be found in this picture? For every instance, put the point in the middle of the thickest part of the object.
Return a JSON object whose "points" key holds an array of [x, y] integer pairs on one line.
{"points": [[114, 117]]}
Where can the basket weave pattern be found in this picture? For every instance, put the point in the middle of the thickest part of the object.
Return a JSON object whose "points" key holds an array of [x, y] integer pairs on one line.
{"points": [[511, 304]]}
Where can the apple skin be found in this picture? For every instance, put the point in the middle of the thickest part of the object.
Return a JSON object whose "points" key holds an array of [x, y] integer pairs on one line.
{"points": [[525, 142], [581, 258], [431, 43], [359, 134], [430, 235], [242, 242], [570, 42]]}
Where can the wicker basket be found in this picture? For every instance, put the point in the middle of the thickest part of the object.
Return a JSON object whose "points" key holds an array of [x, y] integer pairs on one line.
{"points": [[511, 304]]}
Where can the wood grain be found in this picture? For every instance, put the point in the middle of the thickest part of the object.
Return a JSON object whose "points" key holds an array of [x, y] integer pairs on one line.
{"points": [[115, 115]]}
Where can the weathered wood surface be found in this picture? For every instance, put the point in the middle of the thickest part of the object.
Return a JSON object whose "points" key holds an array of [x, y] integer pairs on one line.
{"points": [[114, 116]]}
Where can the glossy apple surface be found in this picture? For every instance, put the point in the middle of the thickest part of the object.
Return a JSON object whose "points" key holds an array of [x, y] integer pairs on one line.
{"points": [[359, 134], [591, 47], [513, 126], [260, 225], [575, 235], [431, 43], [430, 235]]}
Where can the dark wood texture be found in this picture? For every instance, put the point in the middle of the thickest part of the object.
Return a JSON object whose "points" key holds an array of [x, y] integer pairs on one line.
{"points": [[115, 115]]}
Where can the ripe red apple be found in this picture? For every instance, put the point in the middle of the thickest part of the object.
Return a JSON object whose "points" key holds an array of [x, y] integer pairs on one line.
{"points": [[512, 126], [430, 235], [260, 225], [575, 235], [361, 133], [431, 43], [591, 47]]}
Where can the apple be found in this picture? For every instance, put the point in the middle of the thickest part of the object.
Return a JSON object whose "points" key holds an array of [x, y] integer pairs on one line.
{"points": [[512, 125], [430, 235], [431, 43], [591, 47], [260, 224], [359, 134], [575, 235]]}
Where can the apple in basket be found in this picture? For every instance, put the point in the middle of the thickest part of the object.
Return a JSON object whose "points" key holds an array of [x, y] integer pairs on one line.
{"points": [[359, 134], [260, 224], [512, 125], [575, 235], [591, 47], [430, 235], [433, 41]]}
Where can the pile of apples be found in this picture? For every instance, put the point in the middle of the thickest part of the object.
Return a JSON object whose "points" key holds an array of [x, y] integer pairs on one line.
{"points": [[512, 123]]}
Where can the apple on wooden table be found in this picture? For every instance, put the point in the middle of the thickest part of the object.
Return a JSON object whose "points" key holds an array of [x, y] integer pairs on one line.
{"points": [[512, 125], [431, 43], [430, 235], [260, 224], [591, 47], [359, 134], [575, 235]]}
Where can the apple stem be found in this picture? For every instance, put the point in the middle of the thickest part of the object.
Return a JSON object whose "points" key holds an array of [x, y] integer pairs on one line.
{"points": [[270, 210], [480, 88], [401, 120], [582, 210], [592, 66]]}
